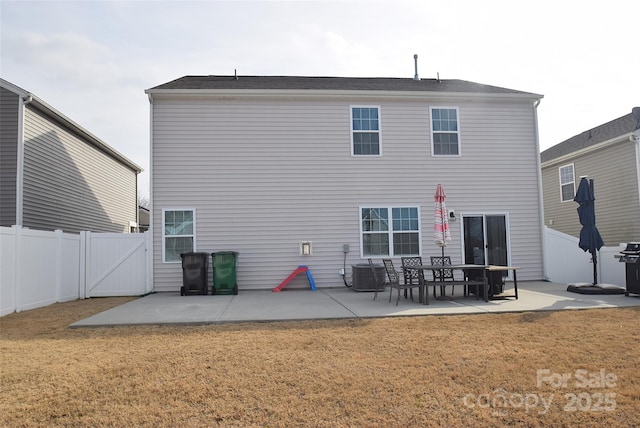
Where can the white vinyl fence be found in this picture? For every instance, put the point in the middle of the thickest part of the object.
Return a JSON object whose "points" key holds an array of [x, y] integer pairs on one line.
{"points": [[38, 268], [565, 262]]}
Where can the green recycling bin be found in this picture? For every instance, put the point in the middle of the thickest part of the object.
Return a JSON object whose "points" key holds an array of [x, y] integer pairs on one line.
{"points": [[224, 272]]}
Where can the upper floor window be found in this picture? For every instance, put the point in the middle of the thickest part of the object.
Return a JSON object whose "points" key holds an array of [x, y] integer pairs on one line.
{"points": [[567, 183], [178, 233], [365, 131], [390, 231], [445, 132]]}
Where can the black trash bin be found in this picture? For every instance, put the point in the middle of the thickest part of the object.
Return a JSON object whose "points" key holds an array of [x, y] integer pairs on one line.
{"points": [[195, 267]]}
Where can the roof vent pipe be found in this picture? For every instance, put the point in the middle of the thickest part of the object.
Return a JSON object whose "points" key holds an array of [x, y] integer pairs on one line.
{"points": [[415, 60]]}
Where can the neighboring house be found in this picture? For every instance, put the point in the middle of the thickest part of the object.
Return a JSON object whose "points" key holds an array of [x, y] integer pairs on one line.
{"points": [[260, 165], [143, 219], [610, 155], [56, 174]]}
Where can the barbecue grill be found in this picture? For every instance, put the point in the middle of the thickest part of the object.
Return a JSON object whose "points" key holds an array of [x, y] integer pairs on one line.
{"points": [[630, 256]]}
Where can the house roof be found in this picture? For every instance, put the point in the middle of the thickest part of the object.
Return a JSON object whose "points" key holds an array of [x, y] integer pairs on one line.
{"points": [[591, 137], [32, 99], [204, 83]]}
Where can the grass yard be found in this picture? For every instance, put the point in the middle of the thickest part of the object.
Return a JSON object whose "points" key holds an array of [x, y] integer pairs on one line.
{"points": [[568, 368]]}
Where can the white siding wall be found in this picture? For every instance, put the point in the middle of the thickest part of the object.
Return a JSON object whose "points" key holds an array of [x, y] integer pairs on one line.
{"points": [[264, 175], [70, 184]]}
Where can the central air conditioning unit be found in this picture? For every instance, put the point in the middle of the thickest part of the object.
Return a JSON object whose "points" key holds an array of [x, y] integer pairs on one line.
{"points": [[363, 280]]}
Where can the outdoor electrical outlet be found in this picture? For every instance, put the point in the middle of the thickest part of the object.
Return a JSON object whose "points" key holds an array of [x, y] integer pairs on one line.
{"points": [[341, 272], [345, 248]]}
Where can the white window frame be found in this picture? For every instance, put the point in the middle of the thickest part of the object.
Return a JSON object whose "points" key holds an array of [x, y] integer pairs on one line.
{"points": [[458, 133], [573, 171], [391, 232], [352, 131], [164, 236]]}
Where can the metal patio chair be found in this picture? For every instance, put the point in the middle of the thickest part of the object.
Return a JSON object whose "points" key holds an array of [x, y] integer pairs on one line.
{"points": [[394, 281], [413, 276], [443, 275], [377, 280]]}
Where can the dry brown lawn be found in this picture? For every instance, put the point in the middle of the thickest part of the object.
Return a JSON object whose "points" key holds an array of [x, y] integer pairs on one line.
{"points": [[471, 370]]}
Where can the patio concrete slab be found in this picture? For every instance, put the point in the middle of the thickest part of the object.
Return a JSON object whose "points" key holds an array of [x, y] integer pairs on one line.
{"points": [[260, 305], [335, 303], [162, 308]]}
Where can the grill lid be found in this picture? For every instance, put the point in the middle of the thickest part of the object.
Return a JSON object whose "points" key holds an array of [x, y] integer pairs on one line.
{"points": [[632, 248]]}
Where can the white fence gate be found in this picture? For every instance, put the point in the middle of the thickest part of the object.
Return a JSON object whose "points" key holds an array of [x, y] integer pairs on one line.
{"points": [[115, 264], [38, 267]]}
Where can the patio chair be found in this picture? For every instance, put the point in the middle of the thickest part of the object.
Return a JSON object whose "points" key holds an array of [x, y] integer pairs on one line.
{"points": [[394, 281], [379, 282], [412, 276], [443, 274]]}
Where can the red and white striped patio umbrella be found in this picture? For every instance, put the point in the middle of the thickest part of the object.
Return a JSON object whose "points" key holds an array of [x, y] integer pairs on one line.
{"points": [[441, 233]]}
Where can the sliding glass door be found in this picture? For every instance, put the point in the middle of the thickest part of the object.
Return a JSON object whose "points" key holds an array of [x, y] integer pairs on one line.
{"points": [[485, 239]]}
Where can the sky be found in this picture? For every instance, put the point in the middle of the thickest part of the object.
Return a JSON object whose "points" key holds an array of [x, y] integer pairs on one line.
{"points": [[93, 60]]}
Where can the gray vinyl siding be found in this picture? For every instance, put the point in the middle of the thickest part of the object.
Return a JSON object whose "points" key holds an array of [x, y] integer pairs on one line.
{"points": [[264, 175], [9, 122], [71, 185], [614, 171]]}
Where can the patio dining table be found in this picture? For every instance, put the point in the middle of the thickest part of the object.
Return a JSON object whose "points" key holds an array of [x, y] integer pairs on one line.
{"points": [[426, 283], [495, 268], [479, 282]]}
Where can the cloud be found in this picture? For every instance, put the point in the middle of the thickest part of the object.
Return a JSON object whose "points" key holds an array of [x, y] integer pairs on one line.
{"points": [[87, 82], [93, 60], [336, 43], [65, 56]]}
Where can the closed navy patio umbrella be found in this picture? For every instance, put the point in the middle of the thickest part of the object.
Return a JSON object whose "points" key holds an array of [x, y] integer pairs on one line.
{"points": [[590, 239]]}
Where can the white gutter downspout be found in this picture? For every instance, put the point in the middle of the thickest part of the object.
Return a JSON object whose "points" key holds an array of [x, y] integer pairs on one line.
{"points": [[540, 193], [20, 160], [150, 254]]}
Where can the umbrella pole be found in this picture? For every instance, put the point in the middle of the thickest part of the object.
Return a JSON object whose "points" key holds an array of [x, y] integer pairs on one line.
{"points": [[442, 293], [593, 255]]}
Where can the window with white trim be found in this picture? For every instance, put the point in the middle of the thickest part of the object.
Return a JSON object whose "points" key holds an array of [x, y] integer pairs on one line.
{"points": [[178, 233], [445, 134], [567, 183], [365, 131], [390, 231]]}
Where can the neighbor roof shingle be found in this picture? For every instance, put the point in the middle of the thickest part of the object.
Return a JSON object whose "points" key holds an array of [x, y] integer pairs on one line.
{"points": [[599, 134]]}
